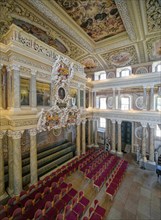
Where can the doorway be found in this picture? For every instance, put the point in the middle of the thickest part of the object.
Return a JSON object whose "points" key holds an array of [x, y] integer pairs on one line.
{"points": [[126, 129]]}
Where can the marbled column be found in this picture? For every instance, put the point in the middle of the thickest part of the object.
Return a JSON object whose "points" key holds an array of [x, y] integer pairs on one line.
{"points": [[95, 133], [17, 162], [114, 99], [119, 99], [89, 132], [144, 99], [15, 87], [78, 140], [10, 163], [2, 185], [33, 101], [33, 156], [9, 88], [152, 98], [84, 98], [151, 150], [133, 137], [107, 128], [1, 66], [144, 125], [83, 136], [94, 99], [113, 136], [119, 138], [78, 98]]}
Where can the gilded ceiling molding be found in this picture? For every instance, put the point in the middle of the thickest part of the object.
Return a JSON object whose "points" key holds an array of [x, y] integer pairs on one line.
{"points": [[39, 5], [123, 10]]}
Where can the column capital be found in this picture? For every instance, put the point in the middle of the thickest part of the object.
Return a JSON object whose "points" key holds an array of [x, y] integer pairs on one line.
{"points": [[9, 133], [1, 66], [15, 67], [151, 86], [17, 134], [113, 121], [32, 132], [152, 125], [33, 72], [2, 133], [84, 121], [144, 124], [119, 122]]}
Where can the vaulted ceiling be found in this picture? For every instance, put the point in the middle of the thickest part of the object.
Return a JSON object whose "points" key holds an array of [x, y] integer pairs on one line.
{"points": [[101, 34]]}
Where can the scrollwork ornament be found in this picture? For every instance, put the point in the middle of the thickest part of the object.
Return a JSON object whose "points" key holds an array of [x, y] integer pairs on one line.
{"points": [[110, 102], [57, 132]]}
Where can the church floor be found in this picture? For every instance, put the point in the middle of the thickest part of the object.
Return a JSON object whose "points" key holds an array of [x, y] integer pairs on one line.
{"points": [[139, 196]]}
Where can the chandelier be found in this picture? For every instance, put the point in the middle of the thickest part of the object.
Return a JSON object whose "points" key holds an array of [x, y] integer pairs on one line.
{"points": [[63, 112]]}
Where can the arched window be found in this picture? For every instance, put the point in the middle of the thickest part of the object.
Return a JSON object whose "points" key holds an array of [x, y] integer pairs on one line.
{"points": [[102, 76], [102, 123], [123, 71], [158, 131], [125, 103], [158, 68], [102, 103], [158, 103]]}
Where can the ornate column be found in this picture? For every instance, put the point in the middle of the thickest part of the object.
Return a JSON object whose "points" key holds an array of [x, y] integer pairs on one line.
{"points": [[119, 99], [17, 162], [83, 136], [1, 66], [95, 133], [94, 99], [144, 125], [84, 98], [114, 99], [78, 97], [113, 136], [151, 149], [144, 99], [107, 128], [33, 101], [78, 140], [119, 152], [152, 98], [8, 90], [89, 132], [133, 137], [2, 185], [10, 163], [33, 156], [15, 101]]}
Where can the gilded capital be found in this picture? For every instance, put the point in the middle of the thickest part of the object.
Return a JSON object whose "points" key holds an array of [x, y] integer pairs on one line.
{"points": [[2, 133]]}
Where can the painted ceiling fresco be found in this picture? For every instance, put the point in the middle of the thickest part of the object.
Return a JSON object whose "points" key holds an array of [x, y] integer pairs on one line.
{"points": [[41, 35], [154, 49], [99, 19]]}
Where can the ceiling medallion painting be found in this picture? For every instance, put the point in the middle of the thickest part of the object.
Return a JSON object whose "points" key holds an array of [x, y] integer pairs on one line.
{"points": [[154, 49], [61, 114], [89, 63], [99, 19], [41, 35], [122, 57]]}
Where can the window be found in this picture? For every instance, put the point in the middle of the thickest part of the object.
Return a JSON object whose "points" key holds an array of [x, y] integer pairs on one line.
{"points": [[102, 76], [125, 73], [158, 103], [102, 123], [158, 131], [125, 103], [24, 91], [158, 68], [102, 103], [43, 94], [99, 75]]}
